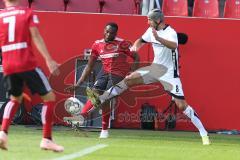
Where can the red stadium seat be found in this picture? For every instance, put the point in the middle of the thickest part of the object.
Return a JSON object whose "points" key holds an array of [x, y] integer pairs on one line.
{"points": [[48, 5], [206, 8], [120, 6], [232, 9], [83, 6], [175, 7]]}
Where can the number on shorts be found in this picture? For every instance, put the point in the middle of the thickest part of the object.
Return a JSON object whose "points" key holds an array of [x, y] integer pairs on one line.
{"points": [[177, 88]]}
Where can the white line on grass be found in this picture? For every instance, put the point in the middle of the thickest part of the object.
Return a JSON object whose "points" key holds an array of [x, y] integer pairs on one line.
{"points": [[82, 152]]}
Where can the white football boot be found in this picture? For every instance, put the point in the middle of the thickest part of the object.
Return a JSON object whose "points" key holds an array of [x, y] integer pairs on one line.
{"points": [[104, 134]]}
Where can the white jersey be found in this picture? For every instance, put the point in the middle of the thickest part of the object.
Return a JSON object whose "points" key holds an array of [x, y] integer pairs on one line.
{"points": [[163, 58], [162, 54]]}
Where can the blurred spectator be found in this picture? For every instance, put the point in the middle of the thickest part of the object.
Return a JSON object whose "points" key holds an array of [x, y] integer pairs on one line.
{"points": [[190, 7], [221, 7], [148, 5]]}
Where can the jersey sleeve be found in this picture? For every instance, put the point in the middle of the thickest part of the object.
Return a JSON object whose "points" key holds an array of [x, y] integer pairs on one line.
{"points": [[33, 19], [172, 36], [94, 52], [125, 46], [129, 53], [147, 35]]}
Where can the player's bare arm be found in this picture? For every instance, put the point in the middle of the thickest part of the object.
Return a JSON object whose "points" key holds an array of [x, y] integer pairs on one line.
{"points": [[39, 43], [86, 72], [137, 45], [168, 44], [136, 59]]}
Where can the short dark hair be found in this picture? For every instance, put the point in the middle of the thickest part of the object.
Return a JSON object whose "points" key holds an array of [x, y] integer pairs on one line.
{"points": [[112, 24]]}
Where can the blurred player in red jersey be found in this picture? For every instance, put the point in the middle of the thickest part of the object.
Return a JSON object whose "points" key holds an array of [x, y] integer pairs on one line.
{"points": [[18, 27], [113, 52]]}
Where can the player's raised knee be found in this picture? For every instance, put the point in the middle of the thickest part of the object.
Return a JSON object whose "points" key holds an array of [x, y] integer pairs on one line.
{"points": [[133, 79]]}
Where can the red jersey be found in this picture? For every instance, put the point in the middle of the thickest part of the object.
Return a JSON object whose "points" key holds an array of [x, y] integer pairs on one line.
{"points": [[113, 55], [15, 39]]}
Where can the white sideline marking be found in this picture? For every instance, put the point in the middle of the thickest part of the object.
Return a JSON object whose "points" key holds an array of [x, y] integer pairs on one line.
{"points": [[82, 152]]}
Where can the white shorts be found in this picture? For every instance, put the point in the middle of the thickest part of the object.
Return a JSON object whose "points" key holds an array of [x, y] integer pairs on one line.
{"points": [[159, 73]]}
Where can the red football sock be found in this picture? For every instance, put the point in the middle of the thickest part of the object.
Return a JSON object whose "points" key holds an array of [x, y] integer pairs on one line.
{"points": [[105, 117], [47, 119], [87, 107], [9, 112]]}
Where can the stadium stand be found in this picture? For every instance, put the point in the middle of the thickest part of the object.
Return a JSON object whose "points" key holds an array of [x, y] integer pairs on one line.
{"points": [[206, 8], [175, 7], [232, 9], [83, 6], [121, 7], [48, 5]]}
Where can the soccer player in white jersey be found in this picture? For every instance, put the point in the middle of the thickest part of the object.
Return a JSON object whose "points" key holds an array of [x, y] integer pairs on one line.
{"points": [[164, 69]]}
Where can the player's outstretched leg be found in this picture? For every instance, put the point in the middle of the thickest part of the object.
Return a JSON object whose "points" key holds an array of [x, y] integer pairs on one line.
{"points": [[115, 90], [198, 124]]}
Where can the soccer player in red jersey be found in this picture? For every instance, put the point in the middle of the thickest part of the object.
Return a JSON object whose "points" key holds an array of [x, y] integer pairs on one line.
{"points": [[113, 52], [18, 27]]}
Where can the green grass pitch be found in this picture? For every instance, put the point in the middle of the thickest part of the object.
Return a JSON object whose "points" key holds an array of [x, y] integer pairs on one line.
{"points": [[122, 145]]}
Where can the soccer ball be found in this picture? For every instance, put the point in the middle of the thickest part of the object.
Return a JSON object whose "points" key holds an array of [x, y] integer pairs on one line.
{"points": [[73, 106]]}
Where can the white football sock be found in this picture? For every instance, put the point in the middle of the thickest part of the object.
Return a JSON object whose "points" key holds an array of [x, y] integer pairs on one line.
{"points": [[195, 120], [113, 91]]}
